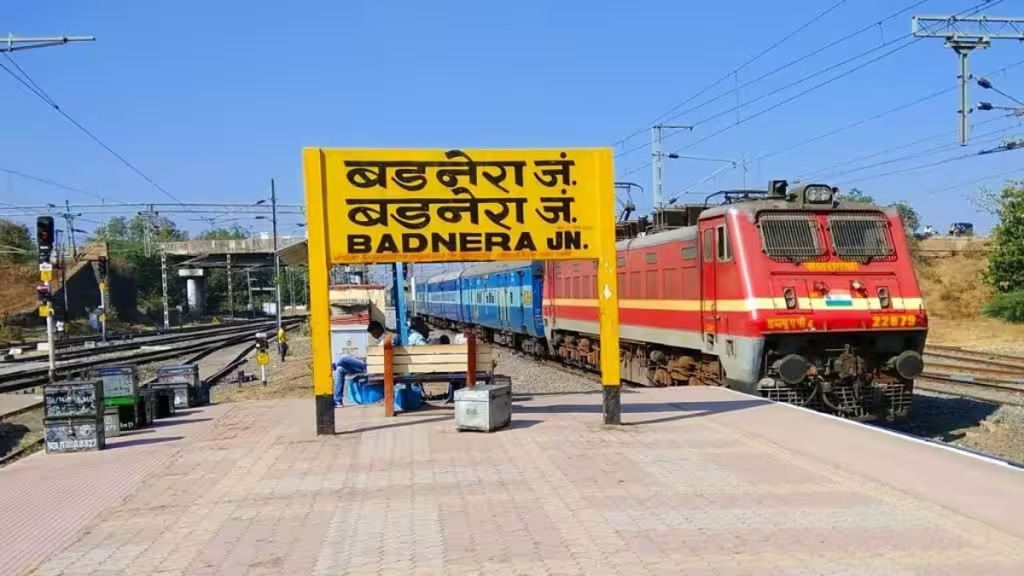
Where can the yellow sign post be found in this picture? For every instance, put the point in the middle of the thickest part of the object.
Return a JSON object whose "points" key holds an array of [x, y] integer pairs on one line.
{"points": [[382, 206]]}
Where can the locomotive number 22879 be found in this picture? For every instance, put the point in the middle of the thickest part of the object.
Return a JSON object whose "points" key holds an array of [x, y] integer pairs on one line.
{"points": [[893, 321]]}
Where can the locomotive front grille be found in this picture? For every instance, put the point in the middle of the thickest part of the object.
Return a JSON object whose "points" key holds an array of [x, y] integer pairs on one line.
{"points": [[791, 236], [861, 236], [887, 402]]}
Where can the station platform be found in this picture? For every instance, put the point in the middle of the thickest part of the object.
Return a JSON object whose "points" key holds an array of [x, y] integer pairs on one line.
{"points": [[697, 481]]}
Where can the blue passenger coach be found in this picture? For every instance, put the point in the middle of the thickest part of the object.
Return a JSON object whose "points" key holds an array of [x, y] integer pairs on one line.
{"points": [[443, 296], [500, 300]]}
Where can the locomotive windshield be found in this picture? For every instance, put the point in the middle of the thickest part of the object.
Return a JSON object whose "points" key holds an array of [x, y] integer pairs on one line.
{"points": [[860, 236], [791, 236]]}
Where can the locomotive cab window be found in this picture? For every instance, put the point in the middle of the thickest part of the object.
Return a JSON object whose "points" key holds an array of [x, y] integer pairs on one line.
{"points": [[724, 250], [709, 243]]}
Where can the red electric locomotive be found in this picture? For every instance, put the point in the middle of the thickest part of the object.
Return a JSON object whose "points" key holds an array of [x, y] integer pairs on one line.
{"points": [[793, 295]]}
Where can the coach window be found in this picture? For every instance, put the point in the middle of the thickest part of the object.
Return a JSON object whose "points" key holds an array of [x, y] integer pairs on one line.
{"points": [[709, 243], [724, 250]]}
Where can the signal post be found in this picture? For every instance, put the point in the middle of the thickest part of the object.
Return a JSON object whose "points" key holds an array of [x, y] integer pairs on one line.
{"points": [[103, 266], [44, 240], [389, 206]]}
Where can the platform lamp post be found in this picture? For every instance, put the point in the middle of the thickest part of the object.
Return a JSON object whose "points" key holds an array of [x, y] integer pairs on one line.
{"points": [[277, 261]]}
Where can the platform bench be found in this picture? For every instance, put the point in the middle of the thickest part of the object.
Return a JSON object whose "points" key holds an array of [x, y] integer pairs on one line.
{"points": [[400, 362]]}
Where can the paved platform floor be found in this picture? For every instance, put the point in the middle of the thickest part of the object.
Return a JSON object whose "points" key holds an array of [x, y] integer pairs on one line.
{"points": [[699, 481], [10, 403]]}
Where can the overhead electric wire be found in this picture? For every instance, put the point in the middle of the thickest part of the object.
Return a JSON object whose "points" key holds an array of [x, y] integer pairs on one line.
{"points": [[781, 103], [910, 104], [942, 162], [828, 177], [765, 75], [973, 182], [29, 83], [55, 184], [853, 125], [749, 62], [815, 173], [968, 12]]}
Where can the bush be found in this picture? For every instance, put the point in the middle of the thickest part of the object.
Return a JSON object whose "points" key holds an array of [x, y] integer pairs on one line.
{"points": [[1009, 307]]}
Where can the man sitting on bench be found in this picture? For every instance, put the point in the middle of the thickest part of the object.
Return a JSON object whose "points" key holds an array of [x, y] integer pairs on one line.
{"points": [[349, 365]]}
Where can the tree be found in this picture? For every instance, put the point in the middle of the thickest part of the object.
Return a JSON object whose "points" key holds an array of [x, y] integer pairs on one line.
{"points": [[15, 242], [856, 195], [217, 280], [911, 219], [132, 242], [234, 232], [989, 201], [1005, 271]]}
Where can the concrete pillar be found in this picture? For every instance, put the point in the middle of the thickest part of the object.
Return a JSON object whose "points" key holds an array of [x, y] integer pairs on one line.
{"points": [[195, 290]]}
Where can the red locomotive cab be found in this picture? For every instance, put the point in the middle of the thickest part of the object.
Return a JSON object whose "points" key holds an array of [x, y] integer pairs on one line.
{"points": [[839, 270], [842, 316]]}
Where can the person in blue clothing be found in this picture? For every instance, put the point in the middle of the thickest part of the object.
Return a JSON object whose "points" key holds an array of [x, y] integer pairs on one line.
{"points": [[349, 365]]}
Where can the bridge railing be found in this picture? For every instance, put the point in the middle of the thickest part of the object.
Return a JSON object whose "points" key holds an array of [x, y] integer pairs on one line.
{"points": [[245, 246]]}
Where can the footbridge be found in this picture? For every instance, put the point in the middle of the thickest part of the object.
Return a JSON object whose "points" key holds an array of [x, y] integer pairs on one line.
{"points": [[192, 258]]}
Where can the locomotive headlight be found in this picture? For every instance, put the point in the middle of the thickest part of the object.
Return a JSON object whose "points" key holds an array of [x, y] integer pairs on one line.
{"points": [[790, 297], [818, 194], [883, 297]]}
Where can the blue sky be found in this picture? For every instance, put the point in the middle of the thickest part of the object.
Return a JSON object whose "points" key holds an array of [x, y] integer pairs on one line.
{"points": [[212, 99]]}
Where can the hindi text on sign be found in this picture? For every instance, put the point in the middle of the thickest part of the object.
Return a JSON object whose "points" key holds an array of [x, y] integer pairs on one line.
{"points": [[416, 205]]}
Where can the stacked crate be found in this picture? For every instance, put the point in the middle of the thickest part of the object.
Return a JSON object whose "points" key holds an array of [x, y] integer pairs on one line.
{"points": [[184, 384], [124, 409], [73, 416]]}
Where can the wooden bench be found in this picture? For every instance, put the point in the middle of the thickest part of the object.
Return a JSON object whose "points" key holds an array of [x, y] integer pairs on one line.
{"points": [[393, 362]]}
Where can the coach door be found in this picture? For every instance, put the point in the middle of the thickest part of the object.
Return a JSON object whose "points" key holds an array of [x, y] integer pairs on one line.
{"points": [[708, 285], [519, 301], [502, 294]]}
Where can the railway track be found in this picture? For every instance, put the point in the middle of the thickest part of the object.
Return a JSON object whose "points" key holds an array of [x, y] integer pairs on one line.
{"points": [[972, 372], [197, 343], [196, 353], [116, 336], [144, 340]]}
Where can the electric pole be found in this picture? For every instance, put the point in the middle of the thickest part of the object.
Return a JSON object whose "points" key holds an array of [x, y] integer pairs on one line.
{"points": [[277, 261], [657, 138], [231, 291], [163, 287], [70, 219], [964, 35]]}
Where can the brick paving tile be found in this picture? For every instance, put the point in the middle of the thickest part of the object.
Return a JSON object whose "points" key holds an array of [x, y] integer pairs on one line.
{"points": [[697, 482]]}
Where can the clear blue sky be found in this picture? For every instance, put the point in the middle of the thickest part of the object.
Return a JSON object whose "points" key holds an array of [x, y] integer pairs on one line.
{"points": [[212, 99]]}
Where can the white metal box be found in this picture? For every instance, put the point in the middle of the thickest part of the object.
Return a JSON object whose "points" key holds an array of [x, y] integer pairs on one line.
{"points": [[485, 408]]}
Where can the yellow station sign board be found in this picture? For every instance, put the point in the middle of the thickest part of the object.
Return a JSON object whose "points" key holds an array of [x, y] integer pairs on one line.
{"points": [[463, 205]]}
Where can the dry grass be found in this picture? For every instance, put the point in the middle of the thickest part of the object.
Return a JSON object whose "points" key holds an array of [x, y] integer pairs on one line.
{"points": [[291, 379], [18, 288], [953, 287], [954, 294]]}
